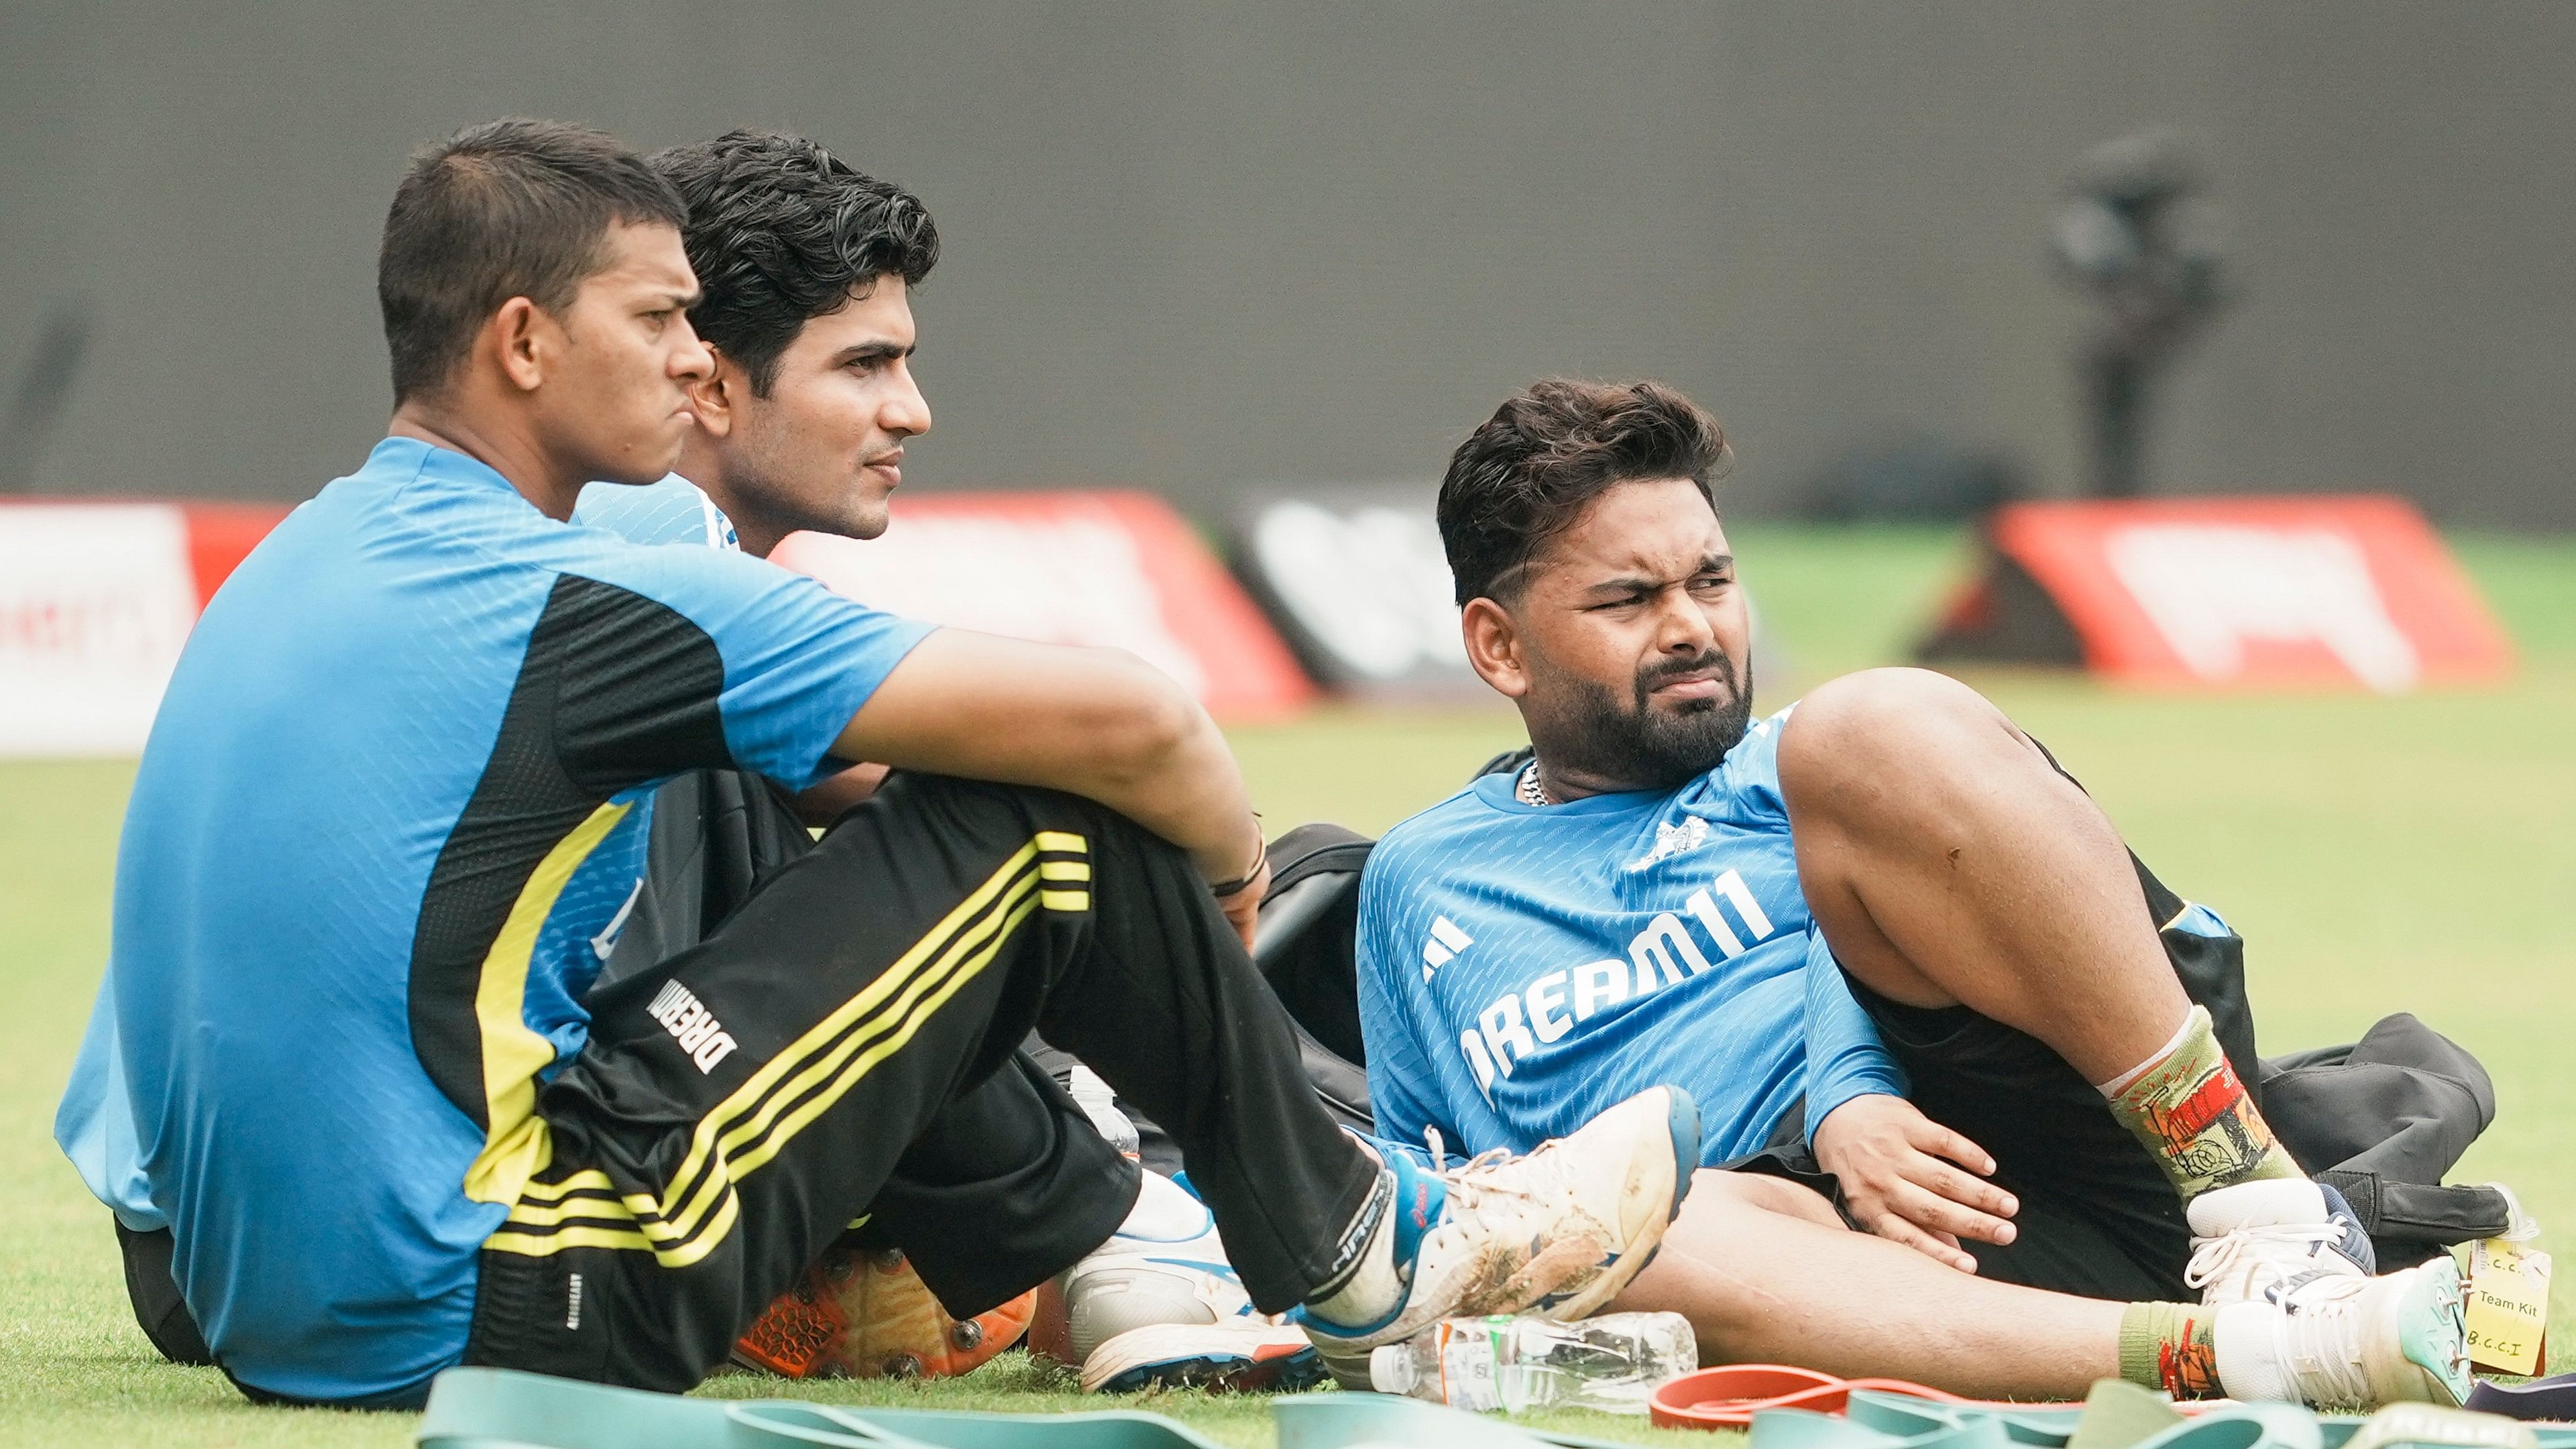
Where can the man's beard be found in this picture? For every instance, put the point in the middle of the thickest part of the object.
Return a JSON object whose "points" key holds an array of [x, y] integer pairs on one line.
{"points": [[1645, 748]]}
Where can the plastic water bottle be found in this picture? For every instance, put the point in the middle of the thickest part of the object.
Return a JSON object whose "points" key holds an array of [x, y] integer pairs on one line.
{"points": [[1100, 1104], [1611, 1363]]}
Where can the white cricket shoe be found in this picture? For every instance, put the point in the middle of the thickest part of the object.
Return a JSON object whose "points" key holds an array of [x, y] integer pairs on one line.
{"points": [[1248, 1355], [2332, 1340], [2251, 1236], [1159, 1305], [1558, 1232]]}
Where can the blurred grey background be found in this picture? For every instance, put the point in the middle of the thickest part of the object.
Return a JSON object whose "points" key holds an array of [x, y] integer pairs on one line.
{"points": [[1195, 247]]}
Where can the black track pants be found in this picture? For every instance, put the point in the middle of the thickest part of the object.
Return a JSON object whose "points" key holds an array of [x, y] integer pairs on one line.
{"points": [[741, 1102]]}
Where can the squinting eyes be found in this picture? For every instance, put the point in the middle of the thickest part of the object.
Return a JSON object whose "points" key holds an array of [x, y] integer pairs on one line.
{"points": [[1636, 601]]}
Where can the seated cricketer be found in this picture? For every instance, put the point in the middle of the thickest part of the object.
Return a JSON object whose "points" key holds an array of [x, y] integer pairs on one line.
{"points": [[809, 269], [386, 1122], [1886, 890]]}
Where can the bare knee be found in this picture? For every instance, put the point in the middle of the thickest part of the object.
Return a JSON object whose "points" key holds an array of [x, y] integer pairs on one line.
{"points": [[1877, 745], [1763, 1191]]}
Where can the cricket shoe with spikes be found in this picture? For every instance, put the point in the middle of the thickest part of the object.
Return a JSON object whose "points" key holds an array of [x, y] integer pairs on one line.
{"points": [[1557, 1232], [2333, 1340], [1249, 1354], [2251, 1236], [1159, 1306]]}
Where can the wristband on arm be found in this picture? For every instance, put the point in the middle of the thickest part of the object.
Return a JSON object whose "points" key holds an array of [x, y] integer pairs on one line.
{"points": [[1237, 886]]}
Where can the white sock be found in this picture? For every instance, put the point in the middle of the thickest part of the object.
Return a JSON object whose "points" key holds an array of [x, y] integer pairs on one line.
{"points": [[1375, 1285]]}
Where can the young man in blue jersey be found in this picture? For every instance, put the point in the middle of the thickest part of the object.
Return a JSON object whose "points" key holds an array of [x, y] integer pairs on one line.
{"points": [[387, 1122], [1880, 928], [809, 268]]}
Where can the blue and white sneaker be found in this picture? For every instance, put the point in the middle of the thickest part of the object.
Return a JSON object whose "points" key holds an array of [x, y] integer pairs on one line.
{"points": [[1557, 1232], [1159, 1305], [2332, 1340], [1243, 1355], [2252, 1236]]}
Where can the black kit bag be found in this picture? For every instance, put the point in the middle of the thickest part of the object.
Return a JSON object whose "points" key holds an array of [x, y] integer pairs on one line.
{"points": [[2381, 1120]]}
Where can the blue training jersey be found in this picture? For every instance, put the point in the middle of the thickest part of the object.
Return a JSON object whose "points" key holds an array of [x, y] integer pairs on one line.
{"points": [[674, 510], [359, 898], [95, 1122], [1523, 969]]}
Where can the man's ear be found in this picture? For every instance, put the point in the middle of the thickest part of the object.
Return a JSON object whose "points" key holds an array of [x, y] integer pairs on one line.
{"points": [[718, 396], [514, 336], [1494, 647]]}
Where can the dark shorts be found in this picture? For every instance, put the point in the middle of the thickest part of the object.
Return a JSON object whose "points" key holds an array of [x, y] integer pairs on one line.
{"points": [[2098, 1216]]}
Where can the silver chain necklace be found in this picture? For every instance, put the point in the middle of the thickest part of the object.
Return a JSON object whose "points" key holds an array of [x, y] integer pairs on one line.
{"points": [[1531, 792]]}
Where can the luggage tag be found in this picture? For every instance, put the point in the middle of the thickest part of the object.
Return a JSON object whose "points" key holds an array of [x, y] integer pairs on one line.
{"points": [[2508, 1309]]}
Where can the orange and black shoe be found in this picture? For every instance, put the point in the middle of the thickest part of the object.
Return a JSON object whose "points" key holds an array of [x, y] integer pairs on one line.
{"points": [[858, 1314]]}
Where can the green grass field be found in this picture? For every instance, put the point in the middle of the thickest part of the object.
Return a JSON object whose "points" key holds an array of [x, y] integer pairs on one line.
{"points": [[2417, 853]]}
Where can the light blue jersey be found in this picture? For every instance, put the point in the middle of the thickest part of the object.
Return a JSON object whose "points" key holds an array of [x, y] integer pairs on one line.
{"points": [[359, 897], [94, 1125], [674, 510], [1521, 970]]}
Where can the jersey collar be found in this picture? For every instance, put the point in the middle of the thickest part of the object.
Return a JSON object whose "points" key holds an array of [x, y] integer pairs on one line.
{"points": [[1497, 790]]}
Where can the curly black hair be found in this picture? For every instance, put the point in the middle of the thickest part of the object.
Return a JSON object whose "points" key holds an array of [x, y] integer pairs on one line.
{"points": [[781, 231], [1532, 468]]}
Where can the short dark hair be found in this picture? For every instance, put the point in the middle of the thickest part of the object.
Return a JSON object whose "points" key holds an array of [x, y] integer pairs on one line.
{"points": [[509, 208], [781, 231], [1546, 453]]}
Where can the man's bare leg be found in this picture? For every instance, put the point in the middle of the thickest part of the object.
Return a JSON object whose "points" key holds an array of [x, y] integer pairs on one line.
{"points": [[1948, 863], [1767, 1274]]}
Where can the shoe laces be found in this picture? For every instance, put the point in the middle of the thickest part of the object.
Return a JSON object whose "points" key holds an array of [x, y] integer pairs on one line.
{"points": [[1474, 1180], [2320, 1340], [2284, 1247]]}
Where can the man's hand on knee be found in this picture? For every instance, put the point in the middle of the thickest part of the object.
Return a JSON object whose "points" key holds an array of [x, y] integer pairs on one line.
{"points": [[1889, 1158]]}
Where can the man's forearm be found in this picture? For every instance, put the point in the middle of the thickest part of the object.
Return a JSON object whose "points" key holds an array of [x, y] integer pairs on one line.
{"points": [[1195, 798], [1098, 723]]}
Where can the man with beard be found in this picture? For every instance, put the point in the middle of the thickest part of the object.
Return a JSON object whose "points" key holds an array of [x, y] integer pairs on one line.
{"points": [[1886, 890]]}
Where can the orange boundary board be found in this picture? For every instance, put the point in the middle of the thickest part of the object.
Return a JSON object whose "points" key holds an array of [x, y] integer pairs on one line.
{"points": [[2328, 591]]}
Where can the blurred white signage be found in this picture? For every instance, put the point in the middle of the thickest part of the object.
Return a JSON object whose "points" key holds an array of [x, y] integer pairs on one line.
{"points": [[2213, 589], [1100, 568], [95, 602], [1360, 583], [1070, 579]]}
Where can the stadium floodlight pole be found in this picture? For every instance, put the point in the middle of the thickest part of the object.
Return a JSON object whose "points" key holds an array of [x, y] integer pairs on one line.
{"points": [[43, 389], [2137, 238]]}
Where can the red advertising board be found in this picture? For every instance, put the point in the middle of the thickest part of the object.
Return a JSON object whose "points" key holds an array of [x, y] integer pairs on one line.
{"points": [[2308, 591], [1110, 567], [97, 598]]}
